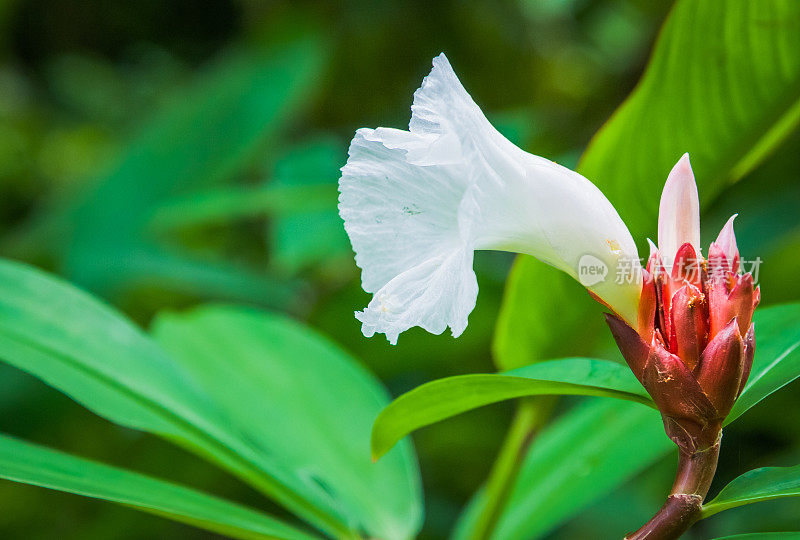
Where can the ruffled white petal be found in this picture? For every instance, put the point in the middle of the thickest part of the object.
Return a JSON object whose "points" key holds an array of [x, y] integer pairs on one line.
{"points": [[440, 291], [397, 214], [417, 203], [678, 212]]}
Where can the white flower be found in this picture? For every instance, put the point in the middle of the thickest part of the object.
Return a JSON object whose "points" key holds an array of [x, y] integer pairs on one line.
{"points": [[417, 203]]}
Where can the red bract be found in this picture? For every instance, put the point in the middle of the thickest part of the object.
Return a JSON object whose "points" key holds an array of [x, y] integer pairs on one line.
{"points": [[694, 345], [705, 309]]}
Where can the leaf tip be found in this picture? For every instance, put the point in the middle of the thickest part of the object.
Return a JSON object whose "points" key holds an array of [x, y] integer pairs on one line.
{"points": [[378, 451]]}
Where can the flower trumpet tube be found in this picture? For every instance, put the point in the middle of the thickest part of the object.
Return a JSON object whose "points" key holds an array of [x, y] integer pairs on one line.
{"points": [[693, 347], [416, 204]]}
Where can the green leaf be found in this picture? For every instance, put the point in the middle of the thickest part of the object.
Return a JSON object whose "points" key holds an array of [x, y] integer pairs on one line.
{"points": [[39, 466], [763, 484], [91, 353], [206, 134], [307, 406], [223, 205], [723, 83], [777, 360], [310, 237], [588, 451], [301, 198], [601, 431], [526, 332], [444, 398], [176, 270]]}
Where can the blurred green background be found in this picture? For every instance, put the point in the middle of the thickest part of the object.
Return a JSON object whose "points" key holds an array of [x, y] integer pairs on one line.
{"points": [[165, 153]]}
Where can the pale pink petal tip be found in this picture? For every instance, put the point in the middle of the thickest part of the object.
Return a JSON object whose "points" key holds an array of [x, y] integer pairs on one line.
{"points": [[684, 165], [679, 211], [653, 247], [681, 178], [727, 240]]}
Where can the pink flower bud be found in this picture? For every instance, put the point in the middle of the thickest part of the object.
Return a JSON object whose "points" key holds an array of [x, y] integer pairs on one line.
{"points": [[689, 324], [694, 341], [729, 297], [720, 370], [726, 243]]}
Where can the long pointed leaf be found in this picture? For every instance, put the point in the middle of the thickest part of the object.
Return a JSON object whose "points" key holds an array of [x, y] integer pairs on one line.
{"points": [[763, 484], [723, 83], [777, 364], [36, 465], [88, 351], [307, 405], [437, 400], [589, 450], [207, 133]]}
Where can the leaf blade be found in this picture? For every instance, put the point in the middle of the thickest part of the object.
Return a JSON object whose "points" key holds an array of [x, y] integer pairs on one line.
{"points": [[86, 350], [684, 73], [777, 360], [443, 398], [247, 362], [764, 484], [36, 465], [549, 488], [207, 133]]}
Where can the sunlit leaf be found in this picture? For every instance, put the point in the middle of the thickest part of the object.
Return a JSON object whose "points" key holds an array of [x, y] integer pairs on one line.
{"points": [[763, 484], [307, 406], [444, 398], [91, 353], [32, 464], [723, 83]]}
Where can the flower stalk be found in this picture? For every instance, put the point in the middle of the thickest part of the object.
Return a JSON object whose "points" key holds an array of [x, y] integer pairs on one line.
{"points": [[685, 501]]}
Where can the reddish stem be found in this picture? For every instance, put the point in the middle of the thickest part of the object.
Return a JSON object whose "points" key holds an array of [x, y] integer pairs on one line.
{"points": [[682, 509]]}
